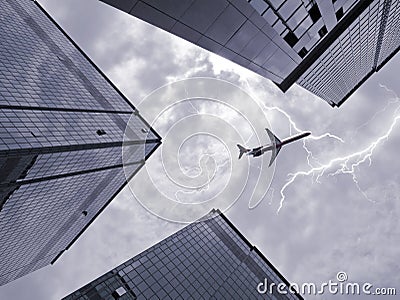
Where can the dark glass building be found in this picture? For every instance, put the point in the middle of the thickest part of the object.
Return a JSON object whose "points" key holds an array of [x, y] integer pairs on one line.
{"points": [[329, 47], [62, 125], [208, 259]]}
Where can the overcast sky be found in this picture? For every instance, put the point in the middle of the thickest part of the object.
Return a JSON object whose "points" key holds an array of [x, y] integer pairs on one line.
{"points": [[331, 220]]}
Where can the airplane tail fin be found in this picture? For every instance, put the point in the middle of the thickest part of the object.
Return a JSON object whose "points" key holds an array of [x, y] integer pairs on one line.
{"points": [[242, 150], [276, 142]]}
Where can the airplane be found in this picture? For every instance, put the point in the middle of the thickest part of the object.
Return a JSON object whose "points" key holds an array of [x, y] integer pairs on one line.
{"points": [[275, 147]]}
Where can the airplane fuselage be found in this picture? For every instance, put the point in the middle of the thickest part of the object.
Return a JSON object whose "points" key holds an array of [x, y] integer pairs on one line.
{"points": [[275, 147], [262, 149]]}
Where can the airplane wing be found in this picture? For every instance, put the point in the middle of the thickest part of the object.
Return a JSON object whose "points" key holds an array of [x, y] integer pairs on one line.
{"points": [[276, 143]]}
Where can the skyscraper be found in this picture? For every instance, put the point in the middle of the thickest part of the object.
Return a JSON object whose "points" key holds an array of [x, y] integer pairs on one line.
{"points": [[208, 259], [328, 47], [62, 125]]}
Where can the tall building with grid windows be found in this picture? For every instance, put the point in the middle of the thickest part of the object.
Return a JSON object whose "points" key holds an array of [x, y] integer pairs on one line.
{"points": [[62, 125], [208, 259], [329, 47]]}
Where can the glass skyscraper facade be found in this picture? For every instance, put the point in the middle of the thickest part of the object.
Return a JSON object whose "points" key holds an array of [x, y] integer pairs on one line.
{"points": [[62, 137], [208, 259], [329, 47]]}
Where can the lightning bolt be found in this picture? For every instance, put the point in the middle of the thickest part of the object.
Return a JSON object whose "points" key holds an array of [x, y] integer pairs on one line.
{"points": [[347, 164]]}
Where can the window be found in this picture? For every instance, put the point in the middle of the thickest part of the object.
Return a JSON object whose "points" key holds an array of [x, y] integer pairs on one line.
{"points": [[101, 132], [291, 39], [314, 12], [322, 31], [339, 13], [118, 293], [303, 52]]}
